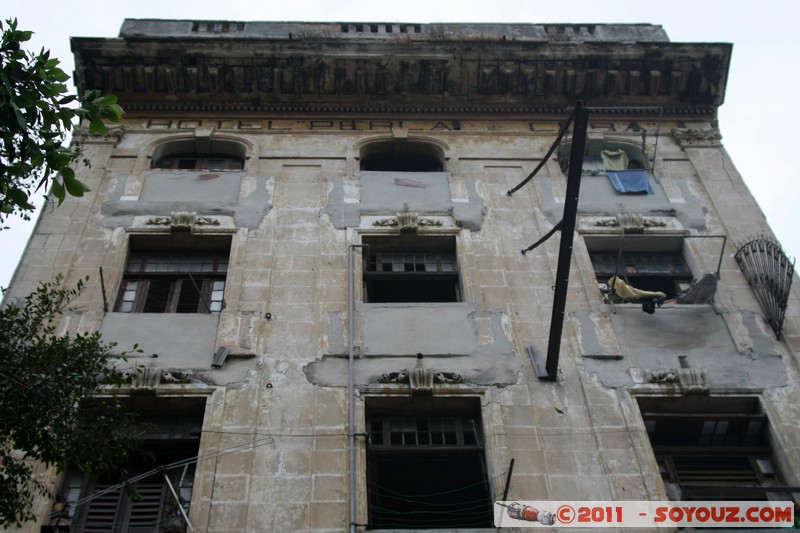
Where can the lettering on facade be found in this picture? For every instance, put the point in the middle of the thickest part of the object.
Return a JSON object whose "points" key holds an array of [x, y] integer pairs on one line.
{"points": [[537, 126]]}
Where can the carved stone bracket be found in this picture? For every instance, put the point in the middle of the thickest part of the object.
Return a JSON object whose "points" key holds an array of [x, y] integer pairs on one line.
{"points": [[113, 134], [407, 222], [696, 137], [420, 379], [692, 380], [662, 375], [147, 380], [182, 221], [631, 222]]}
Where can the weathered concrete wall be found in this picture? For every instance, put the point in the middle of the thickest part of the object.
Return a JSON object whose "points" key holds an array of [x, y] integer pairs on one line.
{"points": [[599, 197], [275, 432], [395, 192], [397, 329], [164, 192]]}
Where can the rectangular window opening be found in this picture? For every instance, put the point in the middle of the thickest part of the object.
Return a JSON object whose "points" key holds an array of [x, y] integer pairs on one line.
{"points": [[654, 264], [176, 274], [409, 268], [166, 439], [712, 448], [412, 442]]}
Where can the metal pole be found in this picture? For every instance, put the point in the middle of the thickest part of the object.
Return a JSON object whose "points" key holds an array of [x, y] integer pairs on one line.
{"points": [[567, 233], [103, 289], [508, 479], [177, 499]]}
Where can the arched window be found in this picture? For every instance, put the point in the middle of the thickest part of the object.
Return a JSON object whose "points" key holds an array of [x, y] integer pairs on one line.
{"points": [[199, 154], [401, 155], [601, 156]]}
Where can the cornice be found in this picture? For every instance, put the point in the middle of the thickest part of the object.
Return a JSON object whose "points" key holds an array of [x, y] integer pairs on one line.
{"points": [[452, 77]]}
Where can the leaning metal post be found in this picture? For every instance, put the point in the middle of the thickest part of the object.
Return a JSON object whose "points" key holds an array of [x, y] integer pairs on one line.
{"points": [[567, 233]]}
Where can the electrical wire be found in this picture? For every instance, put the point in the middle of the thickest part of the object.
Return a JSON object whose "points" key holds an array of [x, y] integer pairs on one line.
{"points": [[389, 494], [268, 438], [177, 464], [549, 153]]}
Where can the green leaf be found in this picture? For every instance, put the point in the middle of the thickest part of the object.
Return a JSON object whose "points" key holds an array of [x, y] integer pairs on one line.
{"points": [[75, 187], [20, 198], [23, 124], [58, 191], [59, 75], [97, 127]]}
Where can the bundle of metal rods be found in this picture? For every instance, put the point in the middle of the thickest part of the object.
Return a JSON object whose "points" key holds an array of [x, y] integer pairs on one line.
{"points": [[769, 272]]}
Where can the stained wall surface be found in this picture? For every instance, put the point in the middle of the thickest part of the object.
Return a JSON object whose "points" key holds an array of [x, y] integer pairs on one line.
{"points": [[275, 425]]}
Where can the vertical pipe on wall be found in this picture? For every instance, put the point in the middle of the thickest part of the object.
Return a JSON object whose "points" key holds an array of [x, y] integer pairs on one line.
{"points": [[351, 422]]}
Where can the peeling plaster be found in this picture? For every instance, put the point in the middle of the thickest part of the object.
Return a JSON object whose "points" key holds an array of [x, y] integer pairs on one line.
{"points": [[248, 211], [696, 331], [391, 192], [492, 364]]}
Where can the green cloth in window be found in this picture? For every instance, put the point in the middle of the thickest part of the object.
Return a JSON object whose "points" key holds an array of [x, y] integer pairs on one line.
{"points": [[615, 159]]}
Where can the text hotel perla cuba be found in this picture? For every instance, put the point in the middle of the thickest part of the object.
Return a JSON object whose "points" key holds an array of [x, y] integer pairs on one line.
{"points": [[671, 514]]}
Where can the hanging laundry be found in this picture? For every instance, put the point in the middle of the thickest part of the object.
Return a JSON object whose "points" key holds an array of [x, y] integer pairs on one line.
{"points": [[615, 159], [628, 181]]}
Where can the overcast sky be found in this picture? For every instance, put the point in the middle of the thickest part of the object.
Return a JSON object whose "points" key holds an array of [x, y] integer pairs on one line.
{"points": [[756, 121]]}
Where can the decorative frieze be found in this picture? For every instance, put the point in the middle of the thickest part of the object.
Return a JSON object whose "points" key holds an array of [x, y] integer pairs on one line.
{"points": [[420, 379], [182, 221], [690, 380], [450, 75], [408, 222], [113, 135], [696, 137], [630, 223]]}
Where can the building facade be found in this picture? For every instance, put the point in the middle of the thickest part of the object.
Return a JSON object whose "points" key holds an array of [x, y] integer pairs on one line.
{"points": [[314, 233]]}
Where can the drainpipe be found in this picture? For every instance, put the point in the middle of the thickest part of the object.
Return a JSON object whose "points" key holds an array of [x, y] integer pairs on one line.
{"points": [[351, 418]]}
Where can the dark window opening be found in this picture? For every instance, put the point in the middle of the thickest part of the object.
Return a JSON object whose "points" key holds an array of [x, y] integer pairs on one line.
{"points": [[665, 272], [199, 154], [402, 156], [426, 465], [97, 503], [600, 156], [652, 264], [196, 162], [712, 448], [409, 268], [179, 281]]}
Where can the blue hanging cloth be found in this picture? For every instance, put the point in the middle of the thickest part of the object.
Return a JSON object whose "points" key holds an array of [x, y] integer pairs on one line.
{"points": [[631, 181]]}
